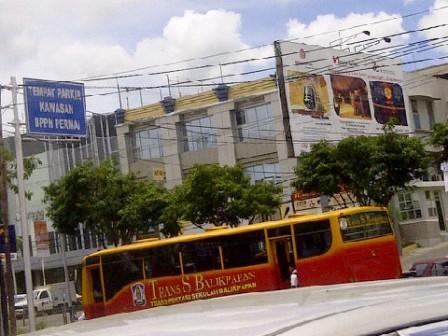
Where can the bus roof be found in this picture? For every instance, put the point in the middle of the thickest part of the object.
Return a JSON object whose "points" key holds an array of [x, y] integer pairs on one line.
{"points": [[224, 231]]}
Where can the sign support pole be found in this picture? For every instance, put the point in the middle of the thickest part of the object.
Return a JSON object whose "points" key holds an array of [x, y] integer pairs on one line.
{"points": [[23, 212], [8, 275]]}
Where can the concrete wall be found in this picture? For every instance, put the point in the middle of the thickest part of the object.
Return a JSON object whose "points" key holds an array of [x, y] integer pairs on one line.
{"points": [[425, 233]]}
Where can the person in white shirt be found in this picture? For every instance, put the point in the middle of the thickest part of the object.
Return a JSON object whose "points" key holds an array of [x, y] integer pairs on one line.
{"points": [[294, 279]]}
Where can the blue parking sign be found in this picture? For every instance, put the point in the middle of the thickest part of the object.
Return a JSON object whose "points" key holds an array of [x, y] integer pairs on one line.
{"points": [[55, 108]]}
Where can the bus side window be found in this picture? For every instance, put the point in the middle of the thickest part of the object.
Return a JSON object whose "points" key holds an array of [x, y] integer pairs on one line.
{"points": [[244, 249], [162, 261], [120, 270], [96, 285], [312, 239], [200, 256], [148, 267]]}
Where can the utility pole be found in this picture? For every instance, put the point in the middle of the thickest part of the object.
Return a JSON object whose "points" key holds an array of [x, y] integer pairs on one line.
{"points": [[23, 212], [8, 275], [283, 99]]}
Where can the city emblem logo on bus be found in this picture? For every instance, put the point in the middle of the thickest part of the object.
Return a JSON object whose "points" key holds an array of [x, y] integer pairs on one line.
{"points": [[138, 294]]}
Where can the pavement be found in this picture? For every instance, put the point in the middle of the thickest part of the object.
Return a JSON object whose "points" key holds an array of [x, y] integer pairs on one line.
{"points": [[419, 254], [43, 320], [423, 253]]}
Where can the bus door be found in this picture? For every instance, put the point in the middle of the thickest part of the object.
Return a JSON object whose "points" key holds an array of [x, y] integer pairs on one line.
{"points": [[93, 293], [282, 254]]}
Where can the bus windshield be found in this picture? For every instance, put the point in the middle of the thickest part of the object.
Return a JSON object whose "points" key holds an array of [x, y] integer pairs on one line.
{"points": [[364, 225]]}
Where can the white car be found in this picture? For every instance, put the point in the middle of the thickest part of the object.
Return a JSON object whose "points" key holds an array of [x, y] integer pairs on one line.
{"points": [[20, 303]]}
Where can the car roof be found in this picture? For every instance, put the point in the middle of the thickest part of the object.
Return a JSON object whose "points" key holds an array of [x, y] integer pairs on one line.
{"points": [[431, 261], [349, 309]]}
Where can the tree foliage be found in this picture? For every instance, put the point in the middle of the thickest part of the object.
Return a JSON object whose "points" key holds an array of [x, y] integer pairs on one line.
{"points": [[372, 168], [110, 204], [30, 164], [223, 195], [439, 139]]}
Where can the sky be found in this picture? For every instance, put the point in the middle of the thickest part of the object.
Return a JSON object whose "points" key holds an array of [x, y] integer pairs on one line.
{"points": [[76, 40]]}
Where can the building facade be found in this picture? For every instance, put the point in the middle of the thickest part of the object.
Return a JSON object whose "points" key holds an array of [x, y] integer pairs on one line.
{"points": [[423, 209], [246, 126], [57, 157]]}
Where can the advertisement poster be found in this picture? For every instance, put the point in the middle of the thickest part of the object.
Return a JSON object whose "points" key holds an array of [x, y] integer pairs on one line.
{"points": [[332, 94], [41, 235]]}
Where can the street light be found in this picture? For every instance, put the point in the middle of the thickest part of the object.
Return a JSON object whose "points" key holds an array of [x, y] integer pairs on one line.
{"points": [[372, 43], [342, 40]]}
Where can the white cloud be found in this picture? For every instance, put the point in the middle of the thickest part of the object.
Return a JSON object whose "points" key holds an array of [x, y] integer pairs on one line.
{"points": [[48, 47], [327, 28], [437, 16]]}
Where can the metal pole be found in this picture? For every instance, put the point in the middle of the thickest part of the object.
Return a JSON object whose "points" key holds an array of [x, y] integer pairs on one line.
{"points": [[169, 86], [59, 165], [43, 271], [283, 98], [73, 155], [3, 305], [95, 151], [67, 280], [8, 275], [109, 146], [14, 278], [103, 137], [23, 212], [119, 94], [67, 157]]}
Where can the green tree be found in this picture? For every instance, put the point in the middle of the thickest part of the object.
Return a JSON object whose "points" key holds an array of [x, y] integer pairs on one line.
{"points": [[144, 208], [372, 168], [319, 170], [110, 204], [223, 195], [439, 139]]}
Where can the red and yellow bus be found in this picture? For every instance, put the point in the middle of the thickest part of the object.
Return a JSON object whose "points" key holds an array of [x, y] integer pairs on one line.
{"points": [[354, 244]]}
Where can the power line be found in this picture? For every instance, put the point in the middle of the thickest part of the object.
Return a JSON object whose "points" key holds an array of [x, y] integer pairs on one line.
{"points": [[269, 44]]}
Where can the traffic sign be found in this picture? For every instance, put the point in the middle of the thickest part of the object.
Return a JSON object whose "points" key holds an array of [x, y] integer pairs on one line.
{"points": [[55, 108], [12, 239]]}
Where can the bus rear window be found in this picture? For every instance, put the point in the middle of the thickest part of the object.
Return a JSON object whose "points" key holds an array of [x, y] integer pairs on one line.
{"points": [[365, 225]]}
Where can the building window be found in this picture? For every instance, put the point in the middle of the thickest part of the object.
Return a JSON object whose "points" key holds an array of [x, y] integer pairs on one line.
{"points": [[409, 208], [431, 118], [432, 197], [255, 122], [415, 114], [199, 134], [266, 172], [147, 144]]}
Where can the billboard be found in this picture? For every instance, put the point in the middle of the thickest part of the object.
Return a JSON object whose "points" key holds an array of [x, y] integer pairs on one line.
{"points": [[55, 108], [332, 94]]}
